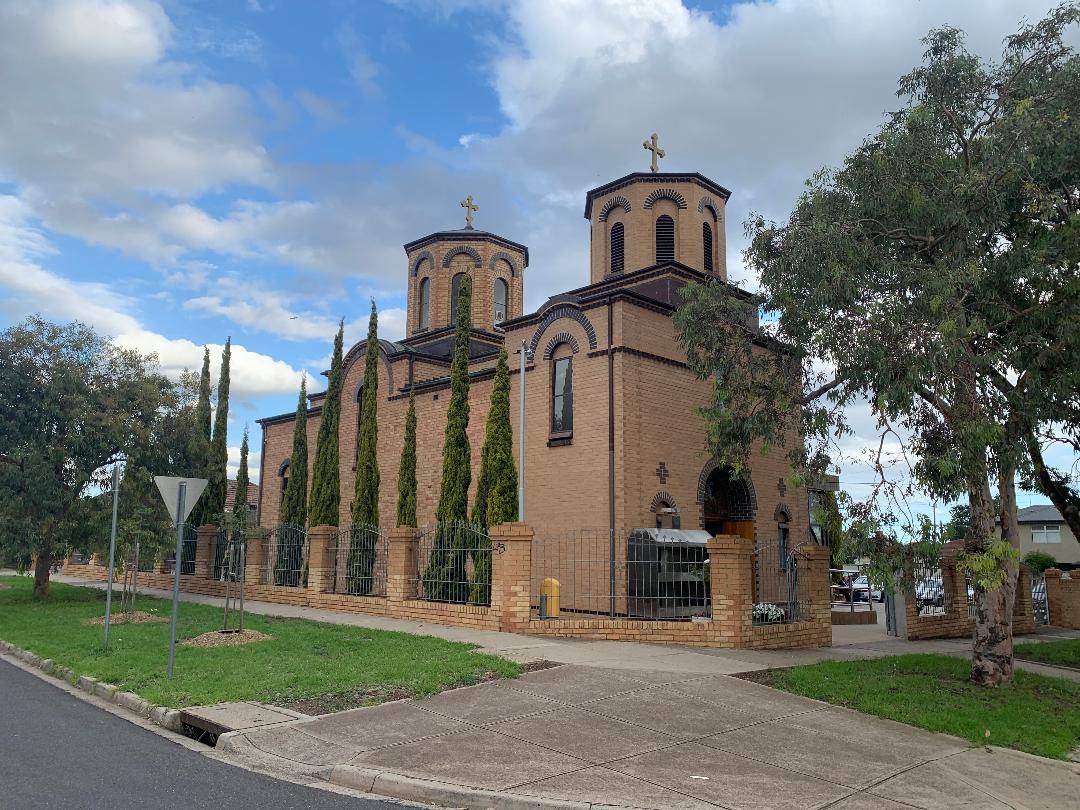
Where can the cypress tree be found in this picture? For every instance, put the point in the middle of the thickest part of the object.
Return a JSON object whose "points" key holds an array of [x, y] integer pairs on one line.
{"points": [[290, 544], [214, 510], [240, 501], [202, 407], [365, 506], [406, 505], [325, 502], [445, 577], [496, 492], [201, 439]]}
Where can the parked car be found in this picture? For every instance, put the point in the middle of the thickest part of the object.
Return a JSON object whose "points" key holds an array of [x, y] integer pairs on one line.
{"points": [[930, 593], [863, 591]]}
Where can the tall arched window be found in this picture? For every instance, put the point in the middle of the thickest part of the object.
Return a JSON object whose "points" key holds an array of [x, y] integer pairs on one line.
{"points": [[455, 289], [782, 539], [424, 301], [706, 245], [502, 295], [665, 239], [618, 261], [562, 391]]}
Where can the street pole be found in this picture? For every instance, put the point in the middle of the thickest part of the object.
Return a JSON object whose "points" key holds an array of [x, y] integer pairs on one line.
{"points": [[521, 435], [112, 551], [180, 494]]}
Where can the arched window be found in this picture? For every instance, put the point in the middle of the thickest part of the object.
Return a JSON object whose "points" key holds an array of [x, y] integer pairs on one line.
{"points": [[502, 295], [782, 539], [706, 244], [283, 473], [562, 391], [455, 289], [424, 301], [618, 261], [665, 239]]}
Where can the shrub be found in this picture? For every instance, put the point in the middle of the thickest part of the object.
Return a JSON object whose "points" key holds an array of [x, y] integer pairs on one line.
{"points": [[1039, 561]]}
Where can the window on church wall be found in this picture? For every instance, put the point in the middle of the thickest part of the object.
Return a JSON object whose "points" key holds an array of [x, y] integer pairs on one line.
{"points": [[455, 290], [618, 248], [424, 302], [783, 535], [665, 239], [562, 394], [501, 296], [707, 246]]}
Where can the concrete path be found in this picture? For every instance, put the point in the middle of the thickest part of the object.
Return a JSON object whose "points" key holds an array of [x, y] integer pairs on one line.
{"points": [[593, 737], [849, 643]]}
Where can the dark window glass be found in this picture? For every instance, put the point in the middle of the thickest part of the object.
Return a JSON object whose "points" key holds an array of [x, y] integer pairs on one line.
{"points": [[502, 291], [455, 289], [562, 399], [617, 248], [782, 541], [665, 239], [425, 303], [706, 244]]}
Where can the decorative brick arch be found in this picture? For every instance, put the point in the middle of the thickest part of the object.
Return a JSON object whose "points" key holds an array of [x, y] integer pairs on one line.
{"points": [[506, 257], [744, 502], [562, 337], [662, 498], [563, 311], [782, 511], [665, 194], [467, 249], [425, 254], [618, 201], [284, 467], [707, 202], [355, 354]]}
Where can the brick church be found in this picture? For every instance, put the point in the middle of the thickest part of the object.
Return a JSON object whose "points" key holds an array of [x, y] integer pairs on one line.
{"points": [[611, 436]]}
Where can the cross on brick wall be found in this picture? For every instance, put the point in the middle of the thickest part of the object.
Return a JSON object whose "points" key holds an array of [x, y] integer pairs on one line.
{"points": [[662, 472]]}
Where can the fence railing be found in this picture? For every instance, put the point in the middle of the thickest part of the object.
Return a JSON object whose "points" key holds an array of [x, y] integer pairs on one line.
{"points": [[187, 553], [1039, 606], [285, 556], [358, 559], [635, 575], [453, 564], [930, 594], [230, 554], [777, 594]]}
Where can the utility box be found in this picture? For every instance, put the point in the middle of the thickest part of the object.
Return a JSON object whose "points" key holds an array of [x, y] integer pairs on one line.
{"points": [[667, 573]]}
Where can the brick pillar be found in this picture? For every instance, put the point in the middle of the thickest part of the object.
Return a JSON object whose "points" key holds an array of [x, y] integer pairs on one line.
{"points": [[401, 564], [731, 580], [254, 556], [1023, 614], [511, 574], [953, 584], [206, 539], [320, 547], [814, 578]]}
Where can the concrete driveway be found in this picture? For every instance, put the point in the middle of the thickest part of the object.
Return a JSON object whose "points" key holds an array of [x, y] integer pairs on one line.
{"points": [[597, 737]]}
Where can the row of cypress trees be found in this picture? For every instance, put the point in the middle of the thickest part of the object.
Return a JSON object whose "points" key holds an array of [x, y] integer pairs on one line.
{"points": [[213, 442], [496, 493]]}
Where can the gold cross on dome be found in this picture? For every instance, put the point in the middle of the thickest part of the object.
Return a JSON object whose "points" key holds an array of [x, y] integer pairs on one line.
{"points": [[657, 152], [469, 207]]}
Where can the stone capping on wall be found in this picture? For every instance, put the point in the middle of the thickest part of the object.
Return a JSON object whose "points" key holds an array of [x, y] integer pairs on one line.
{"points": [[731, 567]]}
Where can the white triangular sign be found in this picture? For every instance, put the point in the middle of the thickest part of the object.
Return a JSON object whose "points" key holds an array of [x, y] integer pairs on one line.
{"points": [[169, 487]]}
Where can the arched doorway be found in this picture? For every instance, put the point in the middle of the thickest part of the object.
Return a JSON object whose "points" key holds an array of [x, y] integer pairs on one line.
{"points": [[727, 503]]}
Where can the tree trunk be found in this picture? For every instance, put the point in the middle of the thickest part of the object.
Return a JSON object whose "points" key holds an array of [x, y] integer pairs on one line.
{"points": [[42, 570], [992, 643]]}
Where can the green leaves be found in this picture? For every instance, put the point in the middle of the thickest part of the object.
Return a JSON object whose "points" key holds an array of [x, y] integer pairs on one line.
{"points": [[326, 472], [365, 506], [293, 509]]}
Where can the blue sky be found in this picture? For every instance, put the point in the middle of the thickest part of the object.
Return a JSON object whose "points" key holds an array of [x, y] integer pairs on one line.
{"points": [[175, 172]]}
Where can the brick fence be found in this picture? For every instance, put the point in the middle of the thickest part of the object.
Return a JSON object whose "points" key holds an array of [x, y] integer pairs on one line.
{"points": [[731, 576], [956, 621], [1063, 598]]}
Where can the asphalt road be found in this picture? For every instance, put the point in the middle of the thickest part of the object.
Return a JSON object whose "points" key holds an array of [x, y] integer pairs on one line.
{"points": [[58, 751]]}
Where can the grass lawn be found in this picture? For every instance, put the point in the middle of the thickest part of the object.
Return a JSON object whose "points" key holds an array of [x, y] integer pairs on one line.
{"points": [[304, 659], [1062, 653], [1037, 714]]}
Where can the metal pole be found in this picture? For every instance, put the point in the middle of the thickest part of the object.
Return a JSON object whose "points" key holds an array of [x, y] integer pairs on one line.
{"points": [[521, 436], [181, 493], [112, 551]]}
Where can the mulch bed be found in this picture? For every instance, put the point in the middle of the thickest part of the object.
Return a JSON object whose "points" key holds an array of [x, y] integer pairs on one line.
{"points": [[766, 677], [130, 617], [218, 639]]}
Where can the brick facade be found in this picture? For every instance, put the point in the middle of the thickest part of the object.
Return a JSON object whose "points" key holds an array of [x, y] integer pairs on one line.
{"points": [[1063, 598]]}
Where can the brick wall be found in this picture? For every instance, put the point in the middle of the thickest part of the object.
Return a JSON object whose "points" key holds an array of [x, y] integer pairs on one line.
{"points": [[1063, 598]]}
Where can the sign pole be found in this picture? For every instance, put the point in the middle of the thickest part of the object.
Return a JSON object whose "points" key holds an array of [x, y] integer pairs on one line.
{"points": [[180, 493], [112, 551]]}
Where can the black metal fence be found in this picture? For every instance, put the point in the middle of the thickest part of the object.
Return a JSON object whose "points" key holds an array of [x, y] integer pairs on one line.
{"points": [[230, 553], [1039, 606], [454, 564], [930, 596], [641, 574], [778, 597], [187, 553], [358, 561], [284, 558]]}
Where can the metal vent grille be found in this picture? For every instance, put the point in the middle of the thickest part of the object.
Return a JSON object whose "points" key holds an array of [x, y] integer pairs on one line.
{"points": [[706, 243], [665, 239], [618, 263]]}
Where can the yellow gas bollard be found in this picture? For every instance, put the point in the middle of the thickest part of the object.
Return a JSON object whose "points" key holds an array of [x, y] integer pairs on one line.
{"points": [[549, 598]]}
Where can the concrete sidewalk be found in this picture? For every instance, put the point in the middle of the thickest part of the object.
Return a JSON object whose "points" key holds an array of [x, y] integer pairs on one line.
{"points": [[850, 642], [582, 737]]}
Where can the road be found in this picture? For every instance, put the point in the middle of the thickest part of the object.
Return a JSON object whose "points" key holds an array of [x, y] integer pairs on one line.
{"points": [[59, 751]]}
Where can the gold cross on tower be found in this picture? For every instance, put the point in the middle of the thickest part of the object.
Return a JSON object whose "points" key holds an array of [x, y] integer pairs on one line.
{"points": [[657, 152], [469, 207]]}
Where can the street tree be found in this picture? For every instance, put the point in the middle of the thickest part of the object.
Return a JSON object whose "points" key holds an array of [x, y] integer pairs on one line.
{"points": [[365, 506], [406, 505], [325, 502]]}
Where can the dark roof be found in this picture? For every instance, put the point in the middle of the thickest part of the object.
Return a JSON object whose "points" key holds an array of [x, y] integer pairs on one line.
{"points": [[230, 494], [652, 177], [467, 235], [1039, 513]]}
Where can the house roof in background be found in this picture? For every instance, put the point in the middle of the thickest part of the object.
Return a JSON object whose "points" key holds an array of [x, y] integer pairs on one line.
{"points": [[230, 495], [1039, 513]]}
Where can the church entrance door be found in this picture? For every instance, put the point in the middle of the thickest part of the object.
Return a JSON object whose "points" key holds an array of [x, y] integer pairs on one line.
{"points": [[727, 507]]}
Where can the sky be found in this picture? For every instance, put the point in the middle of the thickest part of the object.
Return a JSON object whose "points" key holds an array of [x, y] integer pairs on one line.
{"points": [[176, 172]]}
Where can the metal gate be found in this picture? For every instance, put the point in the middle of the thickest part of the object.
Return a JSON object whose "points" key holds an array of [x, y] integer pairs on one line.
{"points": [[285, 561], [454, 564], [358, 561], [777, 598], [1039, 606]]}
